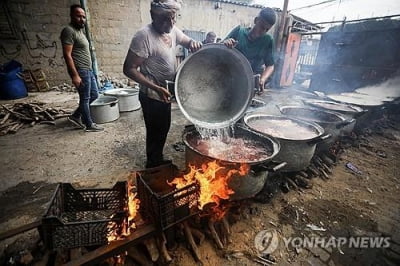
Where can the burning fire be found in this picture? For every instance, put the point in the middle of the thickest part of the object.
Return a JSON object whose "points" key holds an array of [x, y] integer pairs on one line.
{"points": [[132, 209], [213, 181]]}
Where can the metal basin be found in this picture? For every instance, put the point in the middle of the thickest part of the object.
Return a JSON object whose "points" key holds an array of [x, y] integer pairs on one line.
{"points": [[296, 149], [104, 109], [243, 186], [128, 98], [214, 86]]}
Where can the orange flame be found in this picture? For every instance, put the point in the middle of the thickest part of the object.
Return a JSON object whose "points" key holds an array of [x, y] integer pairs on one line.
{"points": [[132, 209], [213, 181]]}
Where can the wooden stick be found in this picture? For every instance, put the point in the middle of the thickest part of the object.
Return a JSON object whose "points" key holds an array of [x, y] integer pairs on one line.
{"points": [[138, 256], [199, 235], [324, 173], [49, 115], [48, 122], [4, 118], [190, 239], [163, 248], [226, 230], [313, 170], [15, 128], [17, 114], [61, 115], [226, 225], [304, 174], [292, 183], [151, 247], [214, 234]]}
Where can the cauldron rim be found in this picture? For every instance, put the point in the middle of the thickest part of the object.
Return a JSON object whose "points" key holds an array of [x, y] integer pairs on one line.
{"points": [[273, 142], [319, 128]]}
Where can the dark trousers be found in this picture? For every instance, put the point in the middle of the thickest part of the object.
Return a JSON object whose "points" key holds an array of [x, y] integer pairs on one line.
{"points": [[88, 92], [157, 118]]}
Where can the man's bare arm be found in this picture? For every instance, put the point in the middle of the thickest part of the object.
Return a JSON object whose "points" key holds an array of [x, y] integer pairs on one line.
{"points": [[73, 73], [191, 44], [131, 70], [265, 75]]}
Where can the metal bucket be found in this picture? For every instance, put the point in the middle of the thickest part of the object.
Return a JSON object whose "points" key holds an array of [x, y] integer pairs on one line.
{"points": [[128, 98], [214, 86], [104, 109]]}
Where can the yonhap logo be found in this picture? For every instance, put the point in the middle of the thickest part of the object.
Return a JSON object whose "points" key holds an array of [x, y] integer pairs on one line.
{"points": [[267, 241]]}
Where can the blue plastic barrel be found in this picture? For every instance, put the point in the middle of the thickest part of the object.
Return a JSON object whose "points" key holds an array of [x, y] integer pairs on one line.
{"points": [[12, 85]]}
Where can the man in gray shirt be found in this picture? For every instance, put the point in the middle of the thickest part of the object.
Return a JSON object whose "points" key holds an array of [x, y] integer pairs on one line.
{"points": [[150, 61], [79, 64]]}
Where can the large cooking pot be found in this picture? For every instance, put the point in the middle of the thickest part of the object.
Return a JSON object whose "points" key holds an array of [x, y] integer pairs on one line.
{"points": [[297, 138], [332, 122], [348, 111], [214, 86], [128, 98], [104, 109], [243, 186]]}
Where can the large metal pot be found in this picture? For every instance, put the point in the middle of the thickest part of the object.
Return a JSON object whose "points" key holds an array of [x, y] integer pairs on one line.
{"points": [[214, 86], [332, 122], [128, 98], [296, 149], [243, 186], [104, 109], [348, 111]]}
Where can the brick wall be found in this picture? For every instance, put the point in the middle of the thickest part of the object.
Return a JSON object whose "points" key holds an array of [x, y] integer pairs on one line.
{"points": [[30, 29]]}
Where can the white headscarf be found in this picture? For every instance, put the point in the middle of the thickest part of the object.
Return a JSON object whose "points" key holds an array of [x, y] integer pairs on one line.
{"points": [[162, 5]]}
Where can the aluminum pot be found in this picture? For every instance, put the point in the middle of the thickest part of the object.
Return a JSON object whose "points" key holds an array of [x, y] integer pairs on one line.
{"points": [[348, 111], [332, 122], [128, 98], [104, 109], [214, 86], [298, 150], [243, 186]]}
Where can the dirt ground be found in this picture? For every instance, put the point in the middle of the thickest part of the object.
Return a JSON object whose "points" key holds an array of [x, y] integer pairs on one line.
{"points": [[34, 159]]}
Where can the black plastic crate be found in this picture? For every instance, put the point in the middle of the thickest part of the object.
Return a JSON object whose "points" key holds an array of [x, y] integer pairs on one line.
{"points": [[160, 203], [84, 217]]}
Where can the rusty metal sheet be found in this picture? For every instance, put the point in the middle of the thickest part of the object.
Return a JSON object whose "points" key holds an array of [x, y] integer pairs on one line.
{"points": [[291, 54]]}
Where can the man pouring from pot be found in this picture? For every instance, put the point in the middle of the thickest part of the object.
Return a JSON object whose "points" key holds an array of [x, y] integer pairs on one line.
{"points": [[256, 45], [151, 61]]}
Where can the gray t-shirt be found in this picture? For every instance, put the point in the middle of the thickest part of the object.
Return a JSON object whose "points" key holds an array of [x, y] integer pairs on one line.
{"points": [[80, 49], [160, 59]]}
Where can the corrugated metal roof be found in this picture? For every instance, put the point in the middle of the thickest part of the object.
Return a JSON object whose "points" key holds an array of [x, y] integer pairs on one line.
{"points": [[239, 3]]}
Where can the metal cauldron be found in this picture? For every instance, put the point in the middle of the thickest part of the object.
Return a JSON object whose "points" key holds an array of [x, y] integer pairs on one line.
{"points": [[243, 186], [296, 151], [332, 122], [348, 111], [214, 86]]}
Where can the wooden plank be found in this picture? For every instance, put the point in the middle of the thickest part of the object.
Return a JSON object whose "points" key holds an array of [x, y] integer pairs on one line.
{"points": [[114, 248], [19, 230]]}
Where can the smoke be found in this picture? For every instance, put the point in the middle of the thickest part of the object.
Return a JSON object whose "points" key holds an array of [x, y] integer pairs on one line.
{"points": [[387, 89]]}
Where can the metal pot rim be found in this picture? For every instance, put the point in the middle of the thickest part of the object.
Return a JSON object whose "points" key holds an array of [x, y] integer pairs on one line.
{"points": [[332, 113], [104, 100], [117, 92], [274, 143], [351, 108], [317, 127]]}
